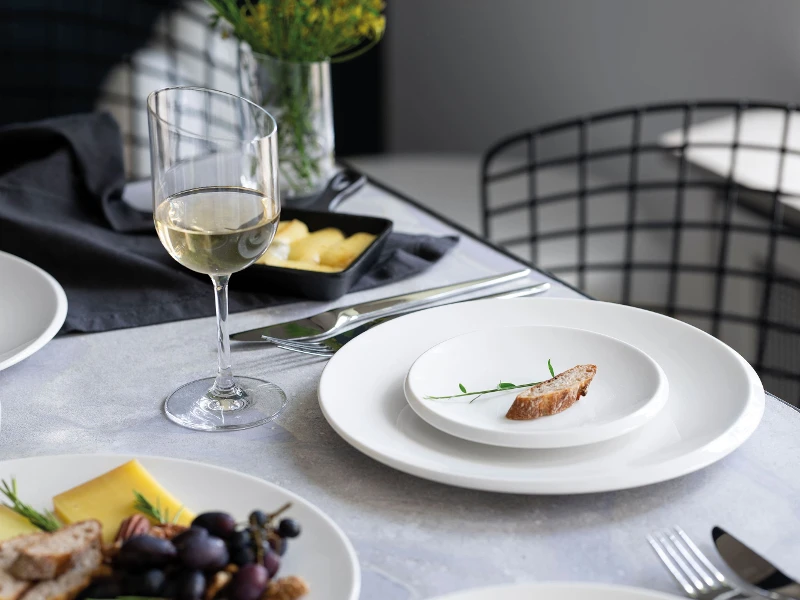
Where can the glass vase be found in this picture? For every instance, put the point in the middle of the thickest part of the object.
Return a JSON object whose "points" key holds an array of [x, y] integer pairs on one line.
{"points": [[298, 95]]}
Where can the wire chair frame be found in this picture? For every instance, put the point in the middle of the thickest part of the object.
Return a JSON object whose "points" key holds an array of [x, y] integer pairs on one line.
{"points": [[767, 222]]}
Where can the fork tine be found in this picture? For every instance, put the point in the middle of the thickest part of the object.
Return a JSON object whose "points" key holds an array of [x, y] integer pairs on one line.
{"points": [[700, 582], [699, 555], [304, 345], [690, 557], [671, 566], [304, 350]]}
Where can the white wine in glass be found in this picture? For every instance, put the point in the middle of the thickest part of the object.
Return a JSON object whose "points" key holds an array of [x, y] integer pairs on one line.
{"points": [[216, 209], [216, 230]]}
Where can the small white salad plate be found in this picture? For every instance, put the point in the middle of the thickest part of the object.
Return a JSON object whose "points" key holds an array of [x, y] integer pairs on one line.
{"points": [[628, 390], [33, 307], [322, 555], [558, 591], [714, 404]]}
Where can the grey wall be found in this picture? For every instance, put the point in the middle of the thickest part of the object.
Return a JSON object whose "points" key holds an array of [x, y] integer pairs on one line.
{"points": [[462, 73]]}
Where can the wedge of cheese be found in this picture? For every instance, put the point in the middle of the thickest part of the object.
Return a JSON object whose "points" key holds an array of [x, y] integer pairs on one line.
{"points": [[13, 524], [109, 499]]}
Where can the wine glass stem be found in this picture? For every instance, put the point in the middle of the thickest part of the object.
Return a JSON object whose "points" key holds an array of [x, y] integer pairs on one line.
{"points": [[224, 381]]}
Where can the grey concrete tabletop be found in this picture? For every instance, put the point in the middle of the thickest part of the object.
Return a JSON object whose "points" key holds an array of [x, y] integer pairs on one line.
{"points": [[103, 392]]}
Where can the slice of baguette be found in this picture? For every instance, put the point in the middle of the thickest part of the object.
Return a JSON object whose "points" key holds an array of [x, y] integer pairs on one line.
{"points": [[12, 588], [552, 396], [56, 553], [71, 583]]}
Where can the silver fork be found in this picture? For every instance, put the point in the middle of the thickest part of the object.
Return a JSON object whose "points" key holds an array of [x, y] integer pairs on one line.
{"points": [[689, 566], [329, 346]]}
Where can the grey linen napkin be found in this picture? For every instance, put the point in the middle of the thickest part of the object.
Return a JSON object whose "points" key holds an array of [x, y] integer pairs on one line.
{"points": [[61, 208]]}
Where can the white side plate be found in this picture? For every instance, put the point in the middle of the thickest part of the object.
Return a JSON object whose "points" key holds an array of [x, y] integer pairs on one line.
{"points": [[558, 591], [33, 307], [322, 555], [715, 401], [628, 390]]}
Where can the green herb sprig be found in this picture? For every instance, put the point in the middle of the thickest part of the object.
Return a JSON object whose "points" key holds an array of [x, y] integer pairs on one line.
{"points": [[503, 386], [154, 511], [45, 521]]}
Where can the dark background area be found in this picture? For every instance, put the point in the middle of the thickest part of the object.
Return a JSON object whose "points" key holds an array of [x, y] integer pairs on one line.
{"points": [[57, 54]]}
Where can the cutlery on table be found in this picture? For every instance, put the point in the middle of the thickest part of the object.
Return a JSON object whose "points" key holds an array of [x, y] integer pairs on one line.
{"points": [[337, 320], [753, 568], [691, 569], [328, 346]]}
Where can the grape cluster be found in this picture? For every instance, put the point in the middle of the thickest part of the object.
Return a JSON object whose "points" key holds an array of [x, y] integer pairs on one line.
{"points": [[184, 567]]}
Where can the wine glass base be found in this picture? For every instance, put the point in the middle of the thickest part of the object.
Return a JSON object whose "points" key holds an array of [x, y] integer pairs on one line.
{"points": [[252, 403]]}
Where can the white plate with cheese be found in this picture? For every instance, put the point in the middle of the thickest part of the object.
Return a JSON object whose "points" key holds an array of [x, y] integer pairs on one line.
{"points": [[322, 555]]}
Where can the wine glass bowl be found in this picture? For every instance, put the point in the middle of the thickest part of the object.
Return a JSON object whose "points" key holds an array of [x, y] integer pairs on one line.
{"points": [[216, 207]]}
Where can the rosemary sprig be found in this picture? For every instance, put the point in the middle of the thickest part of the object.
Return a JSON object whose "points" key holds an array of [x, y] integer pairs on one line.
{"points": [[503, 386], [154, 511], [45, 521]]}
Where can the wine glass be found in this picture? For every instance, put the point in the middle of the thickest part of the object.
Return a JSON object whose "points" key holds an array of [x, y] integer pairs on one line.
{"points": [[216, 208]]}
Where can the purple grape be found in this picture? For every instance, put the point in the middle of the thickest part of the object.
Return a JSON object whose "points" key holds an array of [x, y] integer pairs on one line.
{"points": [[240, 539], [147, 583], [190, 585], [105, 587], [258, 517], [218, 524], [190, 533], [204, 553], [288, 528], [144, 552], [243, 556], [279, 545], [271, 561], [248, 583]]}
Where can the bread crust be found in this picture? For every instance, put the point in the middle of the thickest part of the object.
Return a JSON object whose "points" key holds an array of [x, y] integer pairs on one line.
{"points": [[533, 403], [12, 588], [41, 561]]}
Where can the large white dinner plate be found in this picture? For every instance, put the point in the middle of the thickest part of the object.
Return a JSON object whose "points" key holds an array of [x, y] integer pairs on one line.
{"points": [[628, 389], [33, 307], [558, 591], [715, 401], [322, 555]]}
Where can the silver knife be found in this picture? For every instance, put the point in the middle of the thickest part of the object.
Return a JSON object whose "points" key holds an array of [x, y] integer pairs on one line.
{"points": [[346, 317], [753, 568]]}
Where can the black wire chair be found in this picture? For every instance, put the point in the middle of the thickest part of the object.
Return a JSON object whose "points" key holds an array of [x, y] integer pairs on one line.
{"points": [[625, 213]]}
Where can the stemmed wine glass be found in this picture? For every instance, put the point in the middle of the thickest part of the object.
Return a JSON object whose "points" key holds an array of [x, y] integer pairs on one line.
{"points": [[216, 208]]}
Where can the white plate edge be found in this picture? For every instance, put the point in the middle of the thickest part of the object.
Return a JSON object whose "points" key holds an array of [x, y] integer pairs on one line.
{"points": [[55, 324]]}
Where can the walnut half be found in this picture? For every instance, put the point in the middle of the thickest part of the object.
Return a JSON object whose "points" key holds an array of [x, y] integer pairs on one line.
{"points": [[132, 526], [285, 588]]}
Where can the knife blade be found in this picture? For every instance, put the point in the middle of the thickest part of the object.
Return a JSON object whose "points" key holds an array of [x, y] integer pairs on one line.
{"points": [[346, 317], [753, 568]]}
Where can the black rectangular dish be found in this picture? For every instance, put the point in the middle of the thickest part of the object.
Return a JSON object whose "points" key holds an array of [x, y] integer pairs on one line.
{"points": [[315, 213]]}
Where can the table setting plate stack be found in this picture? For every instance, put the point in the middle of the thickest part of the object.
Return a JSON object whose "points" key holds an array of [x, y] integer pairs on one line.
{"points": [[667, 399]]}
